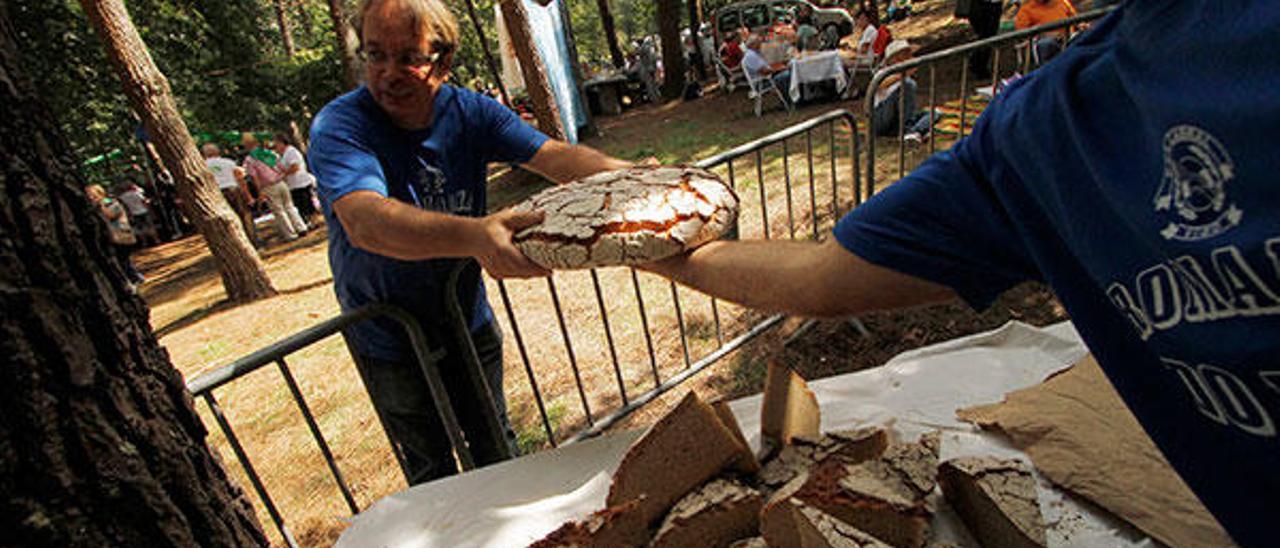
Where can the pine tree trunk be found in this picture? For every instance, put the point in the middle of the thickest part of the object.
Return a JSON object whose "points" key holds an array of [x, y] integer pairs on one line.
{"points": [[611, 34], [695, 21], [286, 35], [243, 275], [545, 110], [99, 444], [672, 49], [347, 42]]}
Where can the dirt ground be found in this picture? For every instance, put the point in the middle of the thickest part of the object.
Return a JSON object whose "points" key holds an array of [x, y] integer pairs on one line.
{"points": [[201, 330]]}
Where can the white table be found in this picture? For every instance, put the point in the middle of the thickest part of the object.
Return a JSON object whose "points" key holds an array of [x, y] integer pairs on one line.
{"points": [[817, 67], [516, 502]]}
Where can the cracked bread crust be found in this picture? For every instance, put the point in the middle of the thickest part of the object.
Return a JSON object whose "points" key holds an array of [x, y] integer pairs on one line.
{"points": [[627, 217], [619, 525], [820, 529], [719, 512], [996, 499]]}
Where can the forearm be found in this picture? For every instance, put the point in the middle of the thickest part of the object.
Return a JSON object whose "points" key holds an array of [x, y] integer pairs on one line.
{"points": [[562, 162], [803, 278], [394, 229]]}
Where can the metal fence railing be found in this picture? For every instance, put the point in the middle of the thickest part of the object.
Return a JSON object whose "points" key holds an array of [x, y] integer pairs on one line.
{"points": [[1019, 43], [831, 183]]}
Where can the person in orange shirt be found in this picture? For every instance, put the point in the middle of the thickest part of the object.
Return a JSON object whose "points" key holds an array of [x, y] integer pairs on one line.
{"points": [[1040, 12]]}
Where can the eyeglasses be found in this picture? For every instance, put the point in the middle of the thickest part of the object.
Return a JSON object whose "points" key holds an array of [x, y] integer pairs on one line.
{"points": [[406, 59]]}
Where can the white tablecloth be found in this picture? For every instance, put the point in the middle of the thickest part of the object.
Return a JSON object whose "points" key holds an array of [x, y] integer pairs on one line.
{"points": [[817, 67], [516, 502]]}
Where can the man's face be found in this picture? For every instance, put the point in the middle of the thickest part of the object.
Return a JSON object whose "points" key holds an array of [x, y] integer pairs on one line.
{"points": [[400, 82]]}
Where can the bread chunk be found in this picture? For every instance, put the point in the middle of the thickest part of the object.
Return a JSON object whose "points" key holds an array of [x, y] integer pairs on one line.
{"points": [[719, 512], [884, 497], [746, 462], [612, 527], [789, 410], [681, 451], [849, 446], [996, 499]]}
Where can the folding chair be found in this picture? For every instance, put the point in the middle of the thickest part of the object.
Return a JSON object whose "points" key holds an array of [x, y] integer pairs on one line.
{"points": [[729, 77], [759, 87]]}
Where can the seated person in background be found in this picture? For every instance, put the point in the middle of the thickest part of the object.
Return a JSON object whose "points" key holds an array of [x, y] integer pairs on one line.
{"points": [[1040, 12], [884, 116], [866, 31], [731, 51], [806, 30], [757, 67]]}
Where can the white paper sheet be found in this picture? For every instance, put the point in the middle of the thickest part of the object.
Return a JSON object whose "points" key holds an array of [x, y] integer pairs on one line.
{"points": [[517, 502]]}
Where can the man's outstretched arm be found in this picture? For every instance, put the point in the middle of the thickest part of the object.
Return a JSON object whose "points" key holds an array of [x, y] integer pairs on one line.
{"points": [[809, 279]]}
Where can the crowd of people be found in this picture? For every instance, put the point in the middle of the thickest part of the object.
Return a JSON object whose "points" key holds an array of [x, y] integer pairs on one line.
{"points": [[272, 174]]}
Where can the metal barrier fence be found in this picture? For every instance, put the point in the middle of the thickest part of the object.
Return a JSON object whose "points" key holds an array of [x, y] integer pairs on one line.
{"points": [[1024, 39], [754, 152]]}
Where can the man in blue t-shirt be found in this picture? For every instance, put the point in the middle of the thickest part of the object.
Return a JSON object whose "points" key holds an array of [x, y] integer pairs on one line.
{"points": [[1137, 175], [401, 164]]}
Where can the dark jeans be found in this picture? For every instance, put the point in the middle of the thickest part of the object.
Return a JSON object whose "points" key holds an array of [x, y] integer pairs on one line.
{"points": [[884, 120], [403, 401], [302, 201], [985, 21]]}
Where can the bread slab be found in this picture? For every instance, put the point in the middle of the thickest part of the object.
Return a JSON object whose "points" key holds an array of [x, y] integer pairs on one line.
{"points": [[789, 410], [996, 499], [716, 514], [848, 446], [627, 217], [884, 497], [747, 463], [684, 449]]}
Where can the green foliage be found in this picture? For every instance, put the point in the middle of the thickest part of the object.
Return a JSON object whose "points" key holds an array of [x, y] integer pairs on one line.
{"points": [[223, 59]]}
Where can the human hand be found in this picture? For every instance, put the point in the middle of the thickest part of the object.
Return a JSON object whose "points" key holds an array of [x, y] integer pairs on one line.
{"points": [[651, 161], [498, 255]]}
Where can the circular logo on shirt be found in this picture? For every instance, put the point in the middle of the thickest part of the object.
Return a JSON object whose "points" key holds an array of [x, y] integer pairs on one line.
{"points": [[1193, 192]]}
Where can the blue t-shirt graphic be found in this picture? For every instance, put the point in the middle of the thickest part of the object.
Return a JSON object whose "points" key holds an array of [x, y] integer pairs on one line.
{"points": [[1138, 174], [355, 146]]}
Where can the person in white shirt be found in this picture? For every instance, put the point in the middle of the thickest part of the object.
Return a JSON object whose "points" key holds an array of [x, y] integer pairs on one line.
{"points": [[230, 179], [138, 205], [300, 181], [755, 65], [866, 31]]}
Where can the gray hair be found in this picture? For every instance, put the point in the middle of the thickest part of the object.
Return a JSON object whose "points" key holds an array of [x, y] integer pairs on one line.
{"points": [[432, 18]]}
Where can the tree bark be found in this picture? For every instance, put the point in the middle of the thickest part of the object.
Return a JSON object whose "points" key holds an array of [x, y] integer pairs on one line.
{"points": [[545, 110], [611, 34], [243, 275], [672, 49], [695, 21], [99, 445], [347, 42], [286, 35]]}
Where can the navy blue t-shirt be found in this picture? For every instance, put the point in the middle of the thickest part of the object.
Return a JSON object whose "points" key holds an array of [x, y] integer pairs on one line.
{"points": [[355, 146], [1138, 174]]}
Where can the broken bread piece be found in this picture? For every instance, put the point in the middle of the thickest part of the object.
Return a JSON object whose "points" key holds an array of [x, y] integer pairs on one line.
{"points": [[612, 527], [884, 497], [849, 446], [716, 514], [747, 463], [789, 523], [789, 409], [685, 448], [996, 499]]}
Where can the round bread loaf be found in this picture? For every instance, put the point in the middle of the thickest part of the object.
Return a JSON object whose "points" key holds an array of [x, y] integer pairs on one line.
{"points": [[627, 217]]}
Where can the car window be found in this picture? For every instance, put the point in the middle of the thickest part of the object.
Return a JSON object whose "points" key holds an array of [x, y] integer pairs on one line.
{"points": [[728, 22], [756, 16]]}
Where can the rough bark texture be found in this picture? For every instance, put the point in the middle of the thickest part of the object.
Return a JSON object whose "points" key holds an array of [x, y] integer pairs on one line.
{"points": [[695, 21], [99, 443], [242, 271], [611, 34], [286, 35], [347, 42], [672, 50], [536, 84]]}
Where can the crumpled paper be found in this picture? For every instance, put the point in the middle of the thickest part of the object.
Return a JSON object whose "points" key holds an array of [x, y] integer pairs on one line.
{"points": [[1082, 437]]}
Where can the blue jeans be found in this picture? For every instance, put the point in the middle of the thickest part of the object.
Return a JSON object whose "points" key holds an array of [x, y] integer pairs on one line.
{"points": [[884, 119], [783, 81], [403, 402]]}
